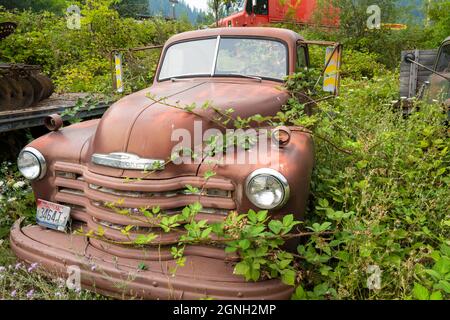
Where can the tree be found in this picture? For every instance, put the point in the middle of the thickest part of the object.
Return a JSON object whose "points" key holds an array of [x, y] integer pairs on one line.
{"points": [[55, 6], [439, 21], [218, 8], [132, 8]]}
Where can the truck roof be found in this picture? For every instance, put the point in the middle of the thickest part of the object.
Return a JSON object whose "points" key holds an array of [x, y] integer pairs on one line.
{"points": [[446, 40], [288, 36]]}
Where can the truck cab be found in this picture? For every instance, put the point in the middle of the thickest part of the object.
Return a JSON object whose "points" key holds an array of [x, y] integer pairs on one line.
{"points": [[251, 13]]}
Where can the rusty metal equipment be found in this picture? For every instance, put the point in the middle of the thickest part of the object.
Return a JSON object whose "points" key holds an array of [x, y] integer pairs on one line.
{"points": [[21, 85]]}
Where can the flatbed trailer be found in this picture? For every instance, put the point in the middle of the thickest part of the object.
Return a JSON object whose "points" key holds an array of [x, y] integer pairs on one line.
{"points": [[57, 103]]}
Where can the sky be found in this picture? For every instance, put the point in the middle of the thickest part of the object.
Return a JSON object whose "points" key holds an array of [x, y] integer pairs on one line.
{"points": [[200, 4]]}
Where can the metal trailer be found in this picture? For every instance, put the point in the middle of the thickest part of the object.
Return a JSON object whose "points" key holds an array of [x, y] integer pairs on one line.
{"points": [[65, 104]]}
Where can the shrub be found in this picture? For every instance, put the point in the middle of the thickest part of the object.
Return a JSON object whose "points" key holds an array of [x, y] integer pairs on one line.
{"points": [[386, 197], [79, 60]]}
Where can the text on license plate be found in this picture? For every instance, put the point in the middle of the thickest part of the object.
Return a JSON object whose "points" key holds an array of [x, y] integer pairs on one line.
{"points": [[52, 215]]}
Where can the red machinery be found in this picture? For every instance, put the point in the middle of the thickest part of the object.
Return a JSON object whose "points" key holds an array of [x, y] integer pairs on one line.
{"points": [[253, 13]]}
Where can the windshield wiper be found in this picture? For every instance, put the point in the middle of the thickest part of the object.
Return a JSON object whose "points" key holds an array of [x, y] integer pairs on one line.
{"points": [[241, 75], [173, 79]]}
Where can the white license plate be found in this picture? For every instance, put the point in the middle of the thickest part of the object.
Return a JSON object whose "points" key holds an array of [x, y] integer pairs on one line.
{"points": [[52, 215]]}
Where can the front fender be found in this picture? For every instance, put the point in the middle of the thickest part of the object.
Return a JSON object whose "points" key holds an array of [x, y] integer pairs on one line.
{"points": [[295, 163], [66, 145]]}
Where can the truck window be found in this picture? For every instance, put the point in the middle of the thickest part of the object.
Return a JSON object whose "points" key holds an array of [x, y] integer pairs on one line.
{"points": [[188, 58], [249, 6], [235, 57], [443, 64], [261, 7], [302, 62], [252, 57]]}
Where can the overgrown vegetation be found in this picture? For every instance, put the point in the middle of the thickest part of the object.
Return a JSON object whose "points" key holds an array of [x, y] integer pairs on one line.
{"points": [[78, 60], [379, 202]]}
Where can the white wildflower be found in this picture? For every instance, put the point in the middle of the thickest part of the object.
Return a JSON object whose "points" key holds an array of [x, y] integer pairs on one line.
{"points": [[19, 184]]}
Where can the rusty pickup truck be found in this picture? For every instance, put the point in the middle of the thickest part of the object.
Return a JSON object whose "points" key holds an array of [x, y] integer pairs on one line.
{"points": [[77, 170]]}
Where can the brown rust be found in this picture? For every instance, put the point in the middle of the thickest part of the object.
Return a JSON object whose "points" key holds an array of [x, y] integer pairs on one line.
{"points": [[53, 122]]}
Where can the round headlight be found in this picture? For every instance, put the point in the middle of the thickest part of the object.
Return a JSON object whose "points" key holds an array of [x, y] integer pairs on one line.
{"points": [[267, 189], [31, 164]]}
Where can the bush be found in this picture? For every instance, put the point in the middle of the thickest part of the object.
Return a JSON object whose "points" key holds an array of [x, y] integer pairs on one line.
{"points": [[381, 184]]}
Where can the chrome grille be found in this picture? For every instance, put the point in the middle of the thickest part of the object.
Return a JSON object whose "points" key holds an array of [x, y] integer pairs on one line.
{"points": [[90, 195]]}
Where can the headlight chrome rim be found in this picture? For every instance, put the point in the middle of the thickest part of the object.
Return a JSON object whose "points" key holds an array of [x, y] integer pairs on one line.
{"points": [[41, 161], [275, 174]]}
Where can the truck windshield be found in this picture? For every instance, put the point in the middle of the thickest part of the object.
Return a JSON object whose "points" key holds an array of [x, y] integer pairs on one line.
{"points": [[440, 87], [256, 57], [237, 6]]}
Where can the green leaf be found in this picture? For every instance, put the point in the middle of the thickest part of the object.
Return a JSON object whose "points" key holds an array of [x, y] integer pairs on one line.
{"points": [[206, 232], [287, 220], [244, 244], [275, 226], [209, 174], [230, 249], [255, 274], [145, 239], [299, 294], [288, 277], [444, 285], [100, 231], [192, 189], [241, 268], [442, 266], [284, 263], [437, 295], [362, 164], [420, 292], [156, 210], [252, 216], [262, 215], [142, 266]]}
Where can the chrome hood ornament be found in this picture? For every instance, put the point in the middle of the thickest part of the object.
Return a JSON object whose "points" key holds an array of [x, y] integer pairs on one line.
{"points": [[129, 161]]}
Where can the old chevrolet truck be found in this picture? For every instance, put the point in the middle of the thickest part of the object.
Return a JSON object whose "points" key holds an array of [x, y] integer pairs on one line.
{"points": [[76, 170]]}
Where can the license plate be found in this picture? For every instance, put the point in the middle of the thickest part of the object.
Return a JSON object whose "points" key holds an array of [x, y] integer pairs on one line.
{"points": [[52, 215]]}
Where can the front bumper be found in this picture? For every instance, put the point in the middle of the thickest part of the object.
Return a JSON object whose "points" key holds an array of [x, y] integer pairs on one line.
{"points": [[114, 270]]}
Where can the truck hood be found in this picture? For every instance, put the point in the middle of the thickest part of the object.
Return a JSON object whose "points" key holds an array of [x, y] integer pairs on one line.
{"points": [[152, 129]]}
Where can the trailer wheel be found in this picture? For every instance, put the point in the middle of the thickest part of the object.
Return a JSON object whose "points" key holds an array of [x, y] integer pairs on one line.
{"points": [[38, 89], [17, 97], [27, 92], [5, 95], [46, 83]]}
